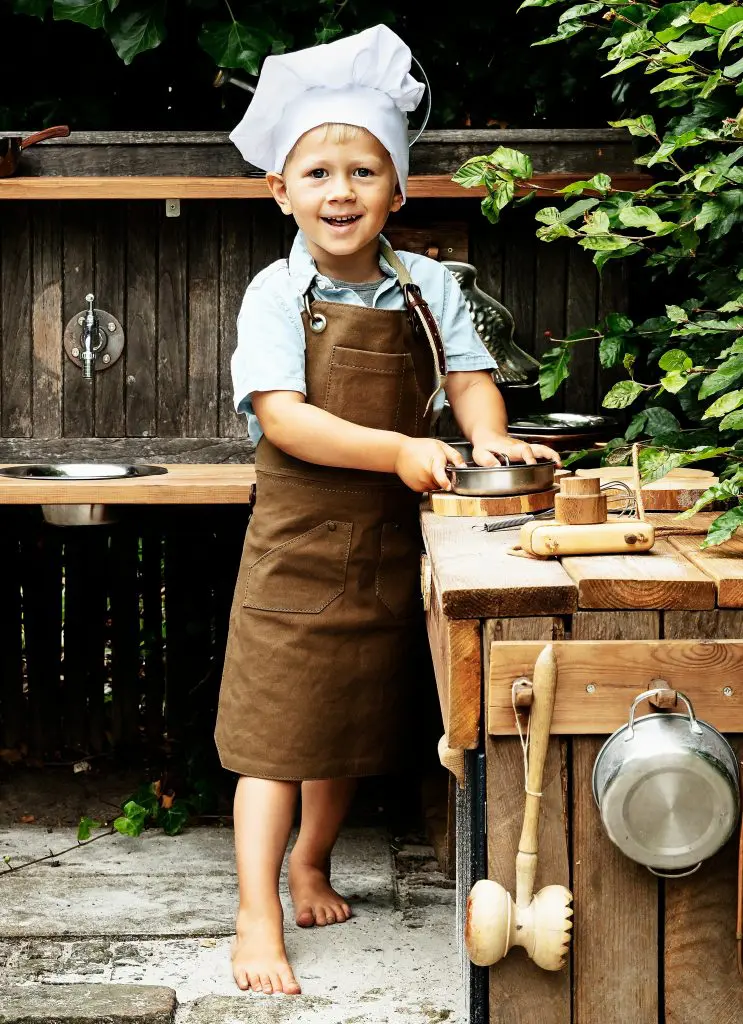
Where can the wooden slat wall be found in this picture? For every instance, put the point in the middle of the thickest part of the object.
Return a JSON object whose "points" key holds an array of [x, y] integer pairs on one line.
{"points": [[176, 285]]}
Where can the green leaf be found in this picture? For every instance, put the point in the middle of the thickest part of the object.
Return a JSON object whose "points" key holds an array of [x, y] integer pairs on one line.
{"points": [[235, 44], [639, 217], [675, 359], [617, 323], [625, 65], [135, 812], [733, 421], [33, 8], [547, 215], [674, 381], [564, 31], [640, 126], [632, 42], [622, 394], [87, 12], [580, 11], [660, 420], [734, 70], [605, 243], [723, 405], [128, 827], [174, 819], [611, 348], [636, 426], [723, 491], [671, 84], [577, 456], [137, 31], [710, 85], [576, 210], [86, 826], [553, 370], [704, 13], [512, 160], [657, 462], [493, 203], [679, 316], [730, 371], [471, 173], [724, 527]]}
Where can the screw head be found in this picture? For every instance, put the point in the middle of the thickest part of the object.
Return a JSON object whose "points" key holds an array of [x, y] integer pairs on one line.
{"points": [[111, 326], [81, 320], [106, 358], [728, 691], [76, 353], [591, 688]]}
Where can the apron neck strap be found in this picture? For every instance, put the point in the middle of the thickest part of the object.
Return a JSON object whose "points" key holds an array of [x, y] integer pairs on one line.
{"points": [[421, 317]]}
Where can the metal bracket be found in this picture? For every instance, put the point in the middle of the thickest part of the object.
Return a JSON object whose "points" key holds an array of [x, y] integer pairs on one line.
{"points": [[110, 339], [172, 207]]}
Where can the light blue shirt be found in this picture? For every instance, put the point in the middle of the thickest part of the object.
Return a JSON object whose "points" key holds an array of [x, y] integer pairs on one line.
{"points": [[270, 336]]}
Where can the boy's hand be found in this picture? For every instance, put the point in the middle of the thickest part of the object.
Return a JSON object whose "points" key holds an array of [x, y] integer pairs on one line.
{"points": [[421, 463], [517, 451]]}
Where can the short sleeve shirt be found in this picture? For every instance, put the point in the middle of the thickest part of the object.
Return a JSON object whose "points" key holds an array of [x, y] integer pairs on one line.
{"points": [[270, 349]]}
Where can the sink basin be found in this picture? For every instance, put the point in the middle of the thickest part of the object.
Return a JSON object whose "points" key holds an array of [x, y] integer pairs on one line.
{"points": [[81, 471]]}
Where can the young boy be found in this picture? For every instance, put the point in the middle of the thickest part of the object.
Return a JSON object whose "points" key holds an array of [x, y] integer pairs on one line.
{"points": [[339, 390]]}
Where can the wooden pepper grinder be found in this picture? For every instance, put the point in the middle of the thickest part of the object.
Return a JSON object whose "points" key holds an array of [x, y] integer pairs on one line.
{"points": [[580, 501]]}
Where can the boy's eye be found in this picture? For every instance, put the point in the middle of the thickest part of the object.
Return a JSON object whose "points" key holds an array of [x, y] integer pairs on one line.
{"points": [[318, 172], [364, 172]]}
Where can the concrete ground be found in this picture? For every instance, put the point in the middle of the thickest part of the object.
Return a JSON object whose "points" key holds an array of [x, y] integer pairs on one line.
{"points": [[159, 911]]}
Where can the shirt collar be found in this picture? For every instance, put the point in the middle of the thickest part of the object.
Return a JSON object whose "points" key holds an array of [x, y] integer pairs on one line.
{"points": [[303, 271]]}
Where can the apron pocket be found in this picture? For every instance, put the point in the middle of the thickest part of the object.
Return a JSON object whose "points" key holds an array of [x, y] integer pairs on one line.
{"points": [[365, 387], [398, 580], [304, 574]]}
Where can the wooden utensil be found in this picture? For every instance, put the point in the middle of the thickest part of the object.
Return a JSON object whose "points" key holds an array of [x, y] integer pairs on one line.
{"points": [[542, 924], [12, 144]]}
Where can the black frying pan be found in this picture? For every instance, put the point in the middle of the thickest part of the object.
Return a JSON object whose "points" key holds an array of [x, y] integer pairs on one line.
{"points": [[12, 144]]}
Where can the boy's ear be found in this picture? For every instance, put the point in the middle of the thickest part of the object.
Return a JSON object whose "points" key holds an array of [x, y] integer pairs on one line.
{"points": [[277, 185], [396, 203]]}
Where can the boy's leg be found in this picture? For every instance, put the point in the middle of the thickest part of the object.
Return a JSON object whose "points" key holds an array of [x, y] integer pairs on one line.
{"points": [[324, 806], [264, 814]]}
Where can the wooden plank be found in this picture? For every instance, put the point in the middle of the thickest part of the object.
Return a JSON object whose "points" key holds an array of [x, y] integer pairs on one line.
{"points": [[661, 578], [519, 277], [203, 321], [167, 450], [521, 993], [712, 625], [182, 484], [615, 937], [436, 186], [456, 654], [549, 312], [442, 240], [235, 271], [599, 680], [110, 283], [723, 563], [613, 298], [140, 351], [15, 325], [78, 280], [12, 701], [48, 322], [172, 337], [580, 312], [479, 579]]}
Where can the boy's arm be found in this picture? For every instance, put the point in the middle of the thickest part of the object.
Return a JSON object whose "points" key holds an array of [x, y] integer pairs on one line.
{"points": [[314, 435], [480, 411]]}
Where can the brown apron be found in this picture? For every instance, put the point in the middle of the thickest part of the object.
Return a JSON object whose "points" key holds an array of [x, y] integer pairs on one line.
{"points": [[319, 665]]}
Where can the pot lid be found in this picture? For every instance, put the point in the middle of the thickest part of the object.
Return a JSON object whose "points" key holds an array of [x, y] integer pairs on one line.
{"points": [[563, 422], [668, 806]]}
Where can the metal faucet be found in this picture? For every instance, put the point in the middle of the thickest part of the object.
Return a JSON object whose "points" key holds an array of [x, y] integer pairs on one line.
{"points": [[90, 339]]}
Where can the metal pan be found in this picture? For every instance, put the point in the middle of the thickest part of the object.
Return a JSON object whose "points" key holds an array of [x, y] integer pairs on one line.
{"points": [[490, 481], [12, 143]]}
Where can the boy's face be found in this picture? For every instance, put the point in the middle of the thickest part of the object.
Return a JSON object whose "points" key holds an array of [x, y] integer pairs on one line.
{"points": [[340, 193]]}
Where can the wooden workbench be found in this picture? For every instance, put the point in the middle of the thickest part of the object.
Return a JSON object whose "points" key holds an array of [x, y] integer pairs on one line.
{"points": [[183, 484], [644, 950]]}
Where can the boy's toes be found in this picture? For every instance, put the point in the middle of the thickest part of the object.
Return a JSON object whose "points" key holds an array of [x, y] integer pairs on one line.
{"points": [[255, 982], [305, 919], [329, 916], [288, 983]]}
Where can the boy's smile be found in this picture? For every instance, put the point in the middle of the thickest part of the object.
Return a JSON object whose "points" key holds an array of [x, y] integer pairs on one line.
{"points": [[340, 192]]}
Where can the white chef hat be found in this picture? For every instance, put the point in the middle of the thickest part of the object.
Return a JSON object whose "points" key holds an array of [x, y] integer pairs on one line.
{"points": [[361, 80]]}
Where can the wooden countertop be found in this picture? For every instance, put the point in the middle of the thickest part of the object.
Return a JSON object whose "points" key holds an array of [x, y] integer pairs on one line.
{"points": [[183, 484], [477, 578]]}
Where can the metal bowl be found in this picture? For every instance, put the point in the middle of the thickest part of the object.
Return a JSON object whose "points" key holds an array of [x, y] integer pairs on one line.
{"points": [[562, 423], [81, 471], [491, 481]]}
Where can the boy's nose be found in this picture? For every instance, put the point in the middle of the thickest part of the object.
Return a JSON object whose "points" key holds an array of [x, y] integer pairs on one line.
{"points": [[341, 191]]}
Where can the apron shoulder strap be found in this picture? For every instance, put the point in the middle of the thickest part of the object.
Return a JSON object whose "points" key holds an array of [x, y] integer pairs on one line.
{"points": [[420, 315]]}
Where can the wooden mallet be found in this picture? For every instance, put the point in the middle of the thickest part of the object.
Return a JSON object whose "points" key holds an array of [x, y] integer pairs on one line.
{"points": [[541, 924]]}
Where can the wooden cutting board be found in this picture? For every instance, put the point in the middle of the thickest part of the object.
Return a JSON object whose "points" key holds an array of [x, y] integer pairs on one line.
{"points": [[443, 503], [677, 491], [625, 473]]}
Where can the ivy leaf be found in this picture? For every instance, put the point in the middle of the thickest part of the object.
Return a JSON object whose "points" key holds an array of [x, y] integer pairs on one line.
{"points": [[553, 370], [730, 371], [675, 359], [86, 826], [173, 819], [86, 12], [137, 31], [235, 45], [622, 394], [724, 527], [33, 8]]}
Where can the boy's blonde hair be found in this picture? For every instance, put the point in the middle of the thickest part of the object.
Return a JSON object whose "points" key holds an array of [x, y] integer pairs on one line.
{"points": [[337, 133]]}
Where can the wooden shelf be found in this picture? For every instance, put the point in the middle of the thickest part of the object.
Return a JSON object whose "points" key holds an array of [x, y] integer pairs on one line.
{"points": [[433, 186]]}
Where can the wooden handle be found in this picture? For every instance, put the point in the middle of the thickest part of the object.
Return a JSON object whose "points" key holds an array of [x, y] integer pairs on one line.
{"points": [[543, 701], [60, 131], [452, 759]]}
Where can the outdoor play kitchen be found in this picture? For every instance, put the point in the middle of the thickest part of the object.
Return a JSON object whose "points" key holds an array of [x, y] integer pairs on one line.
{"points": [[586, 644]]}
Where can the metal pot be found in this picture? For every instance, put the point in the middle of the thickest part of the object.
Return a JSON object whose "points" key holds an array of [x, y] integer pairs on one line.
{"points": [[11, 144], [667, 787], [489, 481]]}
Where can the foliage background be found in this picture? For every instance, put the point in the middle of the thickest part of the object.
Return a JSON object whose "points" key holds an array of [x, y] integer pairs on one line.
{"points": [[479, 62]]}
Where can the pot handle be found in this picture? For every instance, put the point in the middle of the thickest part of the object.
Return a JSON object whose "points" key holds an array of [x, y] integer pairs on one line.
{"points": [[674, 874], [694, 726], [60, 131]]}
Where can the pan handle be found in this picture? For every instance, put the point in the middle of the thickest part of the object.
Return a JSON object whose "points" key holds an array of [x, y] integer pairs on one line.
{"points": [[674, 874], [60, 131]]}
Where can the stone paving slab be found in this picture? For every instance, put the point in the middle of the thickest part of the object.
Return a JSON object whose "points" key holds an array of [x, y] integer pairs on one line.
{"points": [[374, 1009], [87, 1004]]}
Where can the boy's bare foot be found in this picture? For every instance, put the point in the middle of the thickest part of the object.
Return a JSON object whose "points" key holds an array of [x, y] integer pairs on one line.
{"points": [[259, 960], [315, 901]]}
